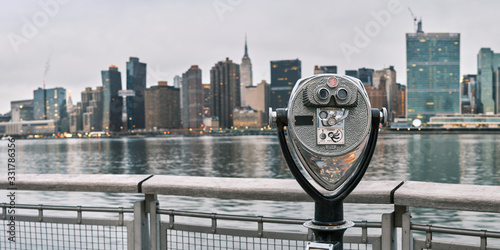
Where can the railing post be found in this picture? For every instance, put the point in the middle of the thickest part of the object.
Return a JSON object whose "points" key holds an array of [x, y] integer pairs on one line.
{"points": [[141, 227], [154, 221], [407, 237], [389, 233]]}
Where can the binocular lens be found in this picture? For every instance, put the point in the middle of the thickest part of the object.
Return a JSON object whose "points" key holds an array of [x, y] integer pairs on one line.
{"points": [[323, 94], [342, 94]]}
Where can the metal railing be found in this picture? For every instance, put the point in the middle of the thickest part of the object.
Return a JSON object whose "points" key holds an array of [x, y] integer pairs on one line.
{"points": [[147, 225]]}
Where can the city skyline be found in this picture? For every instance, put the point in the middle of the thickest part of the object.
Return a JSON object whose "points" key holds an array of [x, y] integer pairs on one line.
{"points": [[69, 50]]}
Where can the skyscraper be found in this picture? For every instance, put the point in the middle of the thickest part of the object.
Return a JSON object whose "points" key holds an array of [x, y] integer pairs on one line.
{"points": [[49, 104], [487, 91], [385, 80], [192, 98], [365, 75], [284, 75], [112, 103], [259, 98], [93, 113], [246, 74], [162, 106], [433, 74], [177, 82], [136, 81], [21, 110], [325, 69], [225, 87], [207, 95], [468, 86]]}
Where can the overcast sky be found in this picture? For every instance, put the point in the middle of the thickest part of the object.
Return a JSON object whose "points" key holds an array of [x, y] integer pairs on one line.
{"points": [[67, 43]]}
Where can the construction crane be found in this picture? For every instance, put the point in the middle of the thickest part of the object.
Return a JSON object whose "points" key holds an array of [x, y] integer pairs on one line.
{"points": [[416, 25]]}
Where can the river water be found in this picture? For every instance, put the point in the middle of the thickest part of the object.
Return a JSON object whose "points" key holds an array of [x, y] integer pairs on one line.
{"points": [[443, 158]]}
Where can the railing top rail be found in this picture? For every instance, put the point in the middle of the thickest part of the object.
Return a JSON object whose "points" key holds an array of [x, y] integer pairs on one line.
{"points": [[479, 198], [414, 194], [374, 192], [371, 192], [76, 182]]}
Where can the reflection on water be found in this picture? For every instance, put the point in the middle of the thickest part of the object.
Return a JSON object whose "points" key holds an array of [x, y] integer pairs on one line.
{"points": [[444, 158]]}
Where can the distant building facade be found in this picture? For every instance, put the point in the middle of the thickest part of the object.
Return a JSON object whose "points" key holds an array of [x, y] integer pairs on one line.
{"points": [[136, 81], [433, 74], [325, 69], [363, 74], [225, 87], [468, 88], [21, 110], [192, 98], [385, 81], [207, 95], [366, 75], [112, 102], [162, 107], [93, 113], [177, 82], [248, 118], [487, 88], [259, 98], [284, 75], [401, 108], [50, 104], [246, 74]]}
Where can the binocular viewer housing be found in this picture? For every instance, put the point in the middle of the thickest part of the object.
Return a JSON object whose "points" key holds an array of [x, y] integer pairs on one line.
{"points": [[328, 122]]}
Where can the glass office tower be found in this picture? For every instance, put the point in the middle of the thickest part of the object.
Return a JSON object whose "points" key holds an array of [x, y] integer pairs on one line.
{"points": [[433, 74], [284, 75], [136, 81], [112, 102]]}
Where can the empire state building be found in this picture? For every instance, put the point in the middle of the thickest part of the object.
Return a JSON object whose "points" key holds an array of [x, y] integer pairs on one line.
{"points": [[245, 73]]}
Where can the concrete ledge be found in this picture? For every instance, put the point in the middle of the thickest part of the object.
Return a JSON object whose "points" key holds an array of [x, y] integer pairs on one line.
{"points": [[76, 182], [449, 196], [257, 189]]}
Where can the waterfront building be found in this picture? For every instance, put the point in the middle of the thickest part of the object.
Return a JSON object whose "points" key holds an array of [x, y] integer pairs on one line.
{"points": [[49, 104], [401, 106], [162, 104], [433, 74], [487, 88], [352, 73], [192, 98], [468, 85], [93, 113], [385, 81], [35, 127], [225, 87], [258, 98], [177, 82], [246, 74], [75, 119], [248, 118], [366, 76], [69, 104], [325, 69], [284, 75], [207, 94], [363, 74], [136, 81], [465, 121], [21, 110], [112, 103]]}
